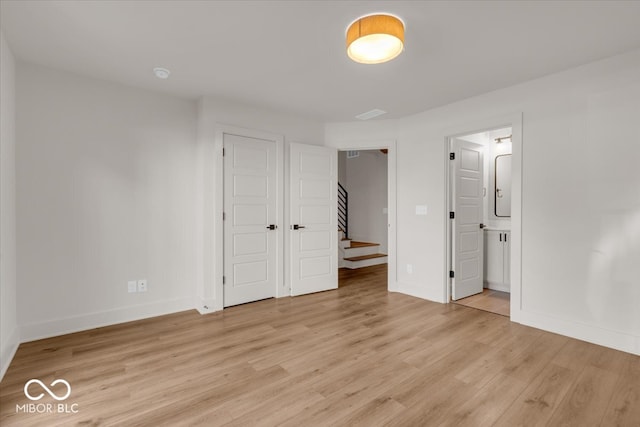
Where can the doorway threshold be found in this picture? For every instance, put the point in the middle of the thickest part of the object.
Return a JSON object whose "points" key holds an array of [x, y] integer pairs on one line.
{"points": [[489, 300]]}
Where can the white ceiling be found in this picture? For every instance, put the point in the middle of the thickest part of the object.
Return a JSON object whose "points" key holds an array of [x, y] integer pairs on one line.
{"points": [[290, 56]]}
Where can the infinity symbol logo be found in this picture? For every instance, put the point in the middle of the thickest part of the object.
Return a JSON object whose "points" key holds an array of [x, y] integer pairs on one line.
{"points": [[52, 394]]}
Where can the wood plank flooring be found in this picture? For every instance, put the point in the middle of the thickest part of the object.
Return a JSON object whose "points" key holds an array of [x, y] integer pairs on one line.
{"points": [[355, 356], [489, 300]]}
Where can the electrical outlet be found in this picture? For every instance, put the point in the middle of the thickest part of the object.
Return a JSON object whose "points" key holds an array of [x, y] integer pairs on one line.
{"points": [[410, 268], [142, 285], [132, 286]]}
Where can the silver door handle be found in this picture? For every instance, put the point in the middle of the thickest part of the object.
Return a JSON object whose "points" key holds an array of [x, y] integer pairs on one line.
{"points": [[498, 193]]}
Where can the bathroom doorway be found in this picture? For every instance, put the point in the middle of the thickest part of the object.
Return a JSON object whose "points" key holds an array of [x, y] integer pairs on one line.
{"points": [[480, 220]]}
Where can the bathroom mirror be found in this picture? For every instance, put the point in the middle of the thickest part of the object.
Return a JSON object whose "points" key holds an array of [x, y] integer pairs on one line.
{"points": [[503, 186]]}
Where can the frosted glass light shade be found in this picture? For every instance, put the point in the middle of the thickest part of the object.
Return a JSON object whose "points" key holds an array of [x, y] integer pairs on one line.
{"points": [[375, 39]]}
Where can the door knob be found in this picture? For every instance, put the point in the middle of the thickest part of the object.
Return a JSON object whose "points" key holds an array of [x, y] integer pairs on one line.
{"points": [[482, 226], [272, 227], [297, 227]]}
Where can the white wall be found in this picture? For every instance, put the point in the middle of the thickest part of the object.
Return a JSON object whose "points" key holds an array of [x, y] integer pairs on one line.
{"points": [[581, 203], [213, 116], [367, 187], [117, 184], [106, 193], [342, 167], [9, 333]]}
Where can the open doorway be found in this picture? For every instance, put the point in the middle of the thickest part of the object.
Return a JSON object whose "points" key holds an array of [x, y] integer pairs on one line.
{"points": [[480, 212], [363, 216]]}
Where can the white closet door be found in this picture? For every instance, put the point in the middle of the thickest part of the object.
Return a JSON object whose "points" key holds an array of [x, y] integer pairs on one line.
{"points": [[250, 204], [314, 218]]}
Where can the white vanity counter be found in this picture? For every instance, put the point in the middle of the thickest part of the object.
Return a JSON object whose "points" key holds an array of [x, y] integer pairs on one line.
{"points": [[497, 258], [497, 228]]}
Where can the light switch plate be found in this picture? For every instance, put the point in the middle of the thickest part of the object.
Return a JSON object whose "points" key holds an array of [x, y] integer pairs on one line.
{"points": [[142, 285], [132, 286], [421, 209]]}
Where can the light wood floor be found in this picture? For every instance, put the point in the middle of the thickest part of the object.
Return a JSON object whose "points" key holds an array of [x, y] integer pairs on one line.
{"points": [[354, 356], [489, 300]]}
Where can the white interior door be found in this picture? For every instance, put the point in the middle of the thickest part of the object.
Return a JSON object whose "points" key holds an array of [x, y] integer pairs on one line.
{"points": [[314, 218], [250, 208], [467, 231]]}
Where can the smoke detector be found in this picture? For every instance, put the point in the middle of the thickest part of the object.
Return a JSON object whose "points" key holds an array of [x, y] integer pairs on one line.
{"points": [[161, 73]]}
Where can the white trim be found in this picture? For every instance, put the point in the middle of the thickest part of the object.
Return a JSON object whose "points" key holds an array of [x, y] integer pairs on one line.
{"points": [[286, 258], [517, 152], [418, 290], [218, 224], [13, 342], [502, 287], [68, 325], [391, 146], [205, 306], [593, 334], [480, 125]]}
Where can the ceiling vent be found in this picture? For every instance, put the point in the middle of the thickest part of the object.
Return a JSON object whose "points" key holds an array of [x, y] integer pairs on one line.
{"points": [[370, 114]]}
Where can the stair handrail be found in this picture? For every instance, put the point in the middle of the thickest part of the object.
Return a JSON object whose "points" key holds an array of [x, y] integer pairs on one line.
{"points": [[343, 210]]}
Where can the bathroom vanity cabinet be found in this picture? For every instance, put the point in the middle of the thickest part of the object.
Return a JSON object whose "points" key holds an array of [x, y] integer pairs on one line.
{"points": [[497, 259]]}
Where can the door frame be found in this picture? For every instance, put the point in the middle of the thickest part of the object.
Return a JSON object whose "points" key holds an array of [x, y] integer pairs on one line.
{"points": [[390, 145], [483, 125], [218, 223]]}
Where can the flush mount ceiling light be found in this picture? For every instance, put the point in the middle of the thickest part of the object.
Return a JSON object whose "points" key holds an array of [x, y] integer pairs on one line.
{"points": [[375, 39], [161, 73]]}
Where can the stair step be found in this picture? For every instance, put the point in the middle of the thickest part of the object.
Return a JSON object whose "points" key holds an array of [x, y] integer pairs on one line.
{"points": [[364, 257], [364, 261], [356, 244], [345, 243], [357, 249]]}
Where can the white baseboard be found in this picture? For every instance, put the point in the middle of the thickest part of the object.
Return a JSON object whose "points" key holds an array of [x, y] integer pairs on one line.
{"points": [[67, 325], [502, 287], [589, 333], [9, 351], [206, 306], [419, 291]]}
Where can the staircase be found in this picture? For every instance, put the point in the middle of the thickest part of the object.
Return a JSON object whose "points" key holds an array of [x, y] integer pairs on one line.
{"points": [[354, 254]]}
